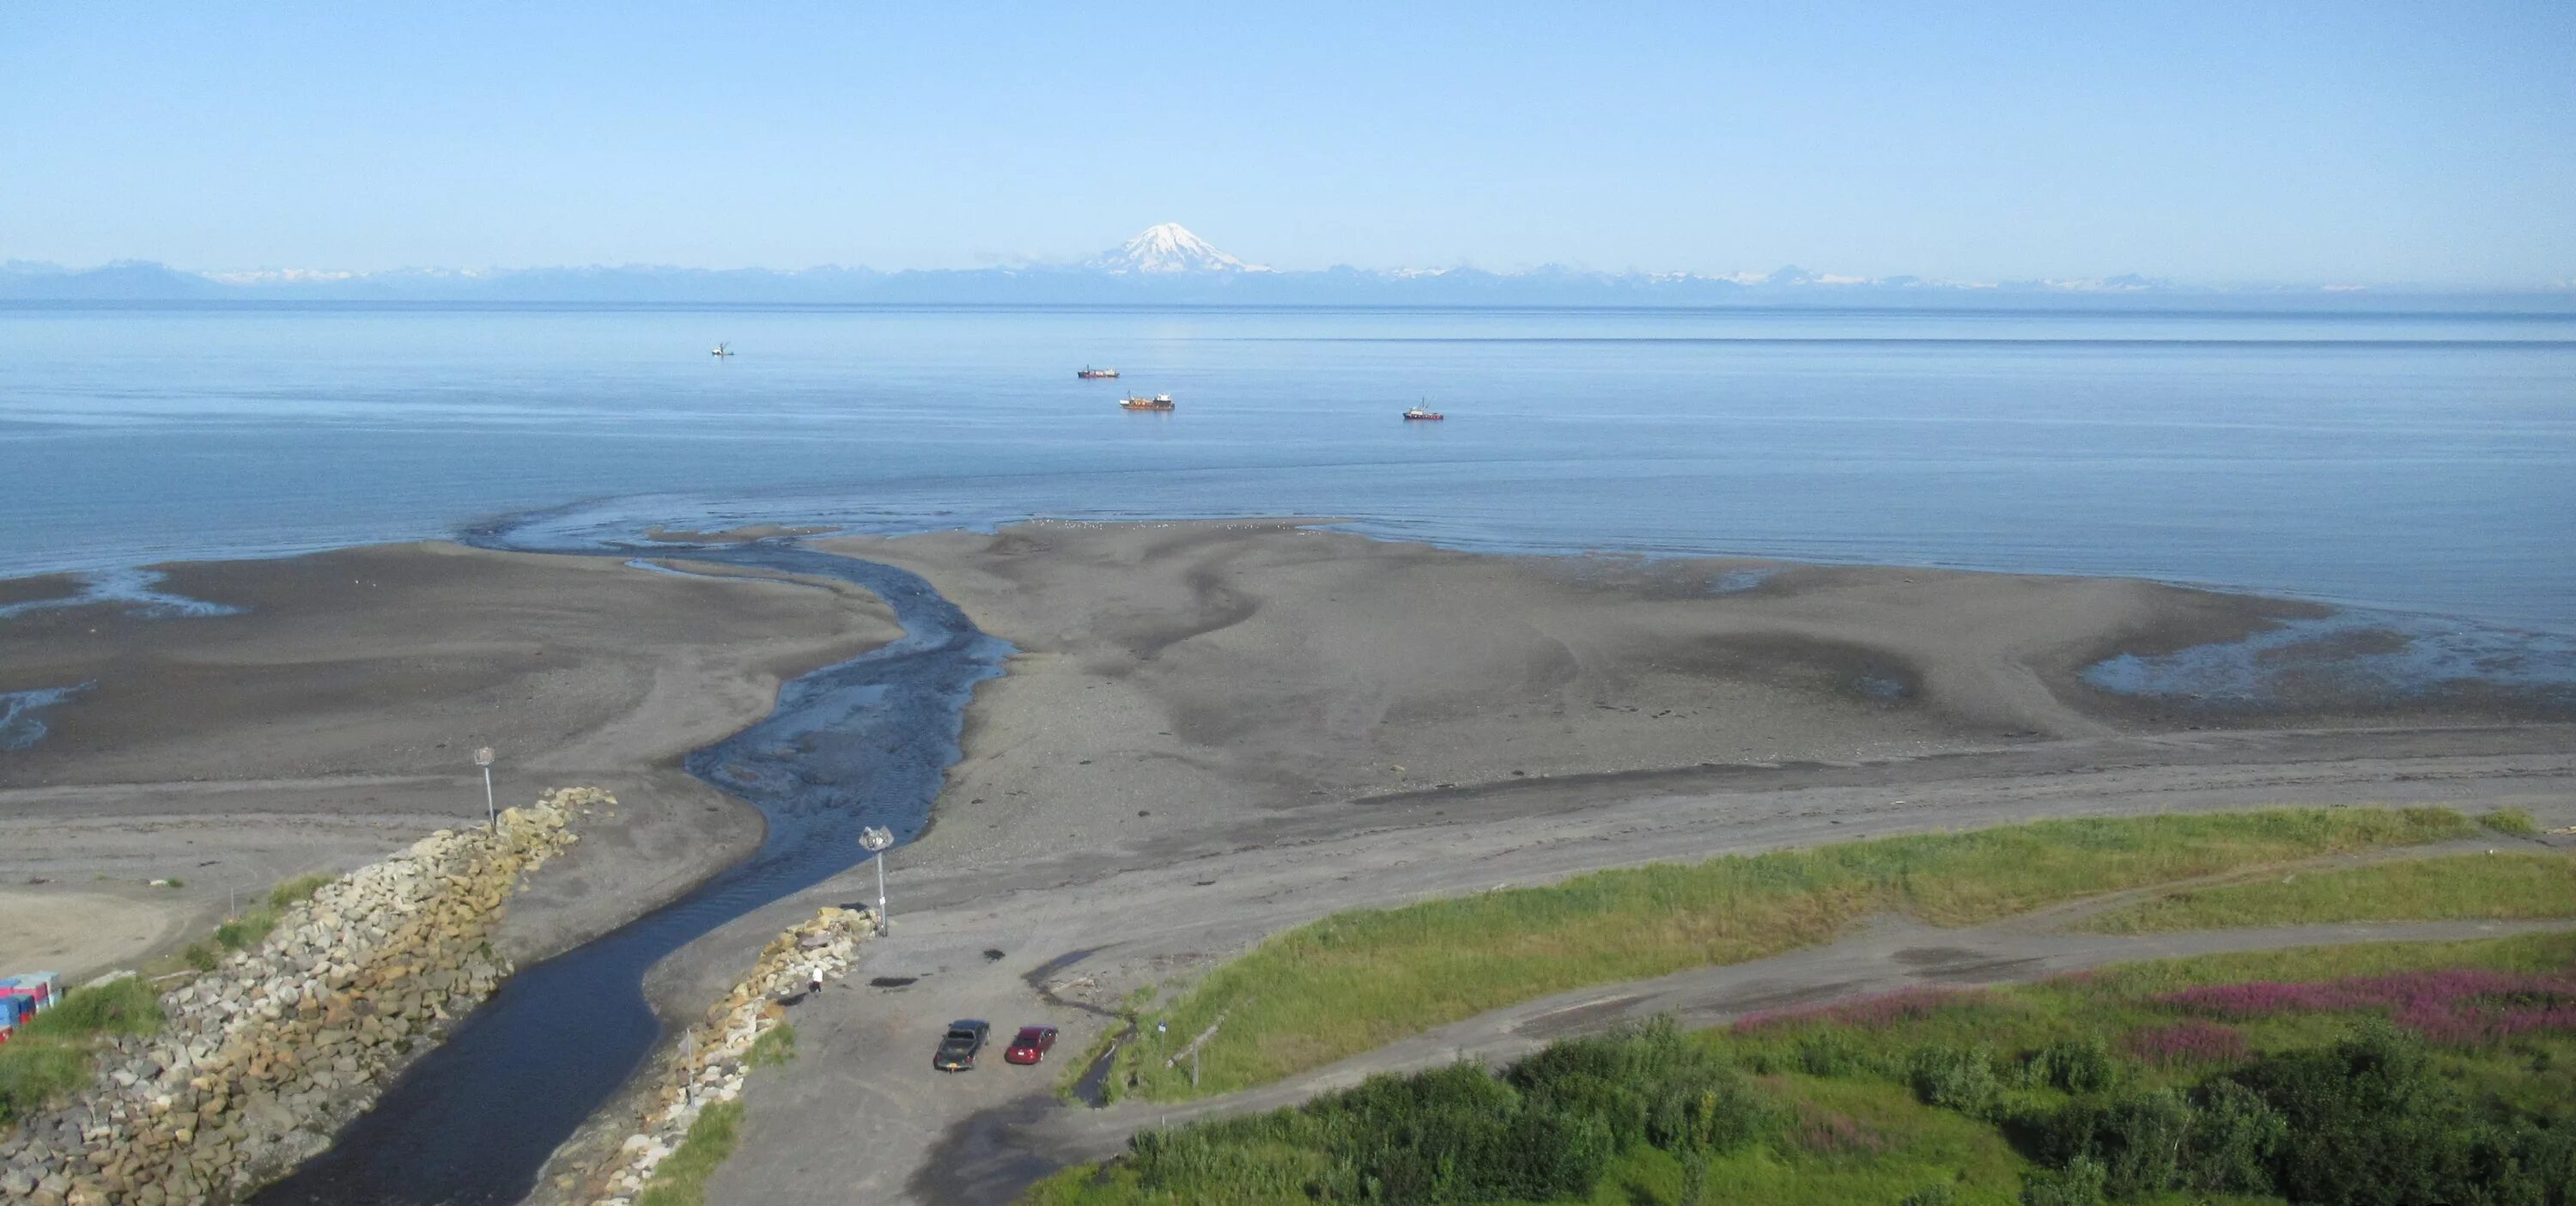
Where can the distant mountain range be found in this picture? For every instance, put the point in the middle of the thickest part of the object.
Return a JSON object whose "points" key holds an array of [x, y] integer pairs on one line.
{"points": [[1165, 264]]}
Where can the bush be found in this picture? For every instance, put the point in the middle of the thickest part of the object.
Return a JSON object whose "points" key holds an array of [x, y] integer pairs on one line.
{"points": [[2234, 1134], [1954, 1078], [2077, 1184], [2138, 1139], [1548, 1129], [2366, 1122], [1833, 1052], [198, 955], [2075, 1065], [1937, 1193]]}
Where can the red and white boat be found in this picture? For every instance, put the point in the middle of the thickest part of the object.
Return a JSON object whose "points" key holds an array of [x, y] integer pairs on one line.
{"points": [[1422, 414], [1098, 374], [1157, 402]]}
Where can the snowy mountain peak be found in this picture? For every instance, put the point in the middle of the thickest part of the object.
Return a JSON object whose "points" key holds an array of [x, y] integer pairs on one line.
{"points": [[1170, 247]]}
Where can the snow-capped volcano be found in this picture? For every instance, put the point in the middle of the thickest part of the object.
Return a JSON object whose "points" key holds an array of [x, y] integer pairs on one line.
{"points": [[1170, 247]]}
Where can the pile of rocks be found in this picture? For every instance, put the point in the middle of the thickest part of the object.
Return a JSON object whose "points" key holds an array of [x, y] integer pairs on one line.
{"points": [[265, 1057], [710, 1061]]}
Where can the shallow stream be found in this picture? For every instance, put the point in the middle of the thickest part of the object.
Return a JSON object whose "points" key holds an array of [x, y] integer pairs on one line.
{"points": [[864, 742]]}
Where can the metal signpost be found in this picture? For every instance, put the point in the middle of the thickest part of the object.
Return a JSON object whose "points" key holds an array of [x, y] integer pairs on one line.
{"points": [[876, 839], [491, 812]]}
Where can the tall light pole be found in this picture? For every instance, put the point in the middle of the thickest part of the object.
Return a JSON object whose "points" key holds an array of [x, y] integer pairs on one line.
{"points": [[876, 839], [491, 812]]}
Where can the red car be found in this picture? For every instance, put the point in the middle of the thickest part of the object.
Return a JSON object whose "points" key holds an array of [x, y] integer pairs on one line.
{"points": [[1030, 1045]]}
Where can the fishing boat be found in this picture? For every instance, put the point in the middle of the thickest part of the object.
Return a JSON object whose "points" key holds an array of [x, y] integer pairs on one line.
{"points": [[1423, 414], [1098, 374], [722, 349], [1140, 402]]}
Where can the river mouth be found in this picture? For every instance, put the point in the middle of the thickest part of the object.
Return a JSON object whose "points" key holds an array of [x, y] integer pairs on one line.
{"points": [[863, 742]]}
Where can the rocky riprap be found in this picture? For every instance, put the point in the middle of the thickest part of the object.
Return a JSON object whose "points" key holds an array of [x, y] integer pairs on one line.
{"points": [[709, 1063], [265, 1057]]}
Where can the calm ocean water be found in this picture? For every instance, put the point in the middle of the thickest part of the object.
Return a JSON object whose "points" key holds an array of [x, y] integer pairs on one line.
{"points": [[2418, 462]]}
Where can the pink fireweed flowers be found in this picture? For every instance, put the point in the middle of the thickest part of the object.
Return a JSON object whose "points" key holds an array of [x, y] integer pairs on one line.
{"points": [[2191, 1041], [2461, 1007]]}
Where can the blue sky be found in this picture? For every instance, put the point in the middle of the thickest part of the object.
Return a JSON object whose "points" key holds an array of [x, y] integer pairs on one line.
{"points": [[2216, 142]]}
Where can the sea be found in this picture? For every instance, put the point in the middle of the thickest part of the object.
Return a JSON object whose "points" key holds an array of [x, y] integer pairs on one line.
{"points": [[2411, 460]]}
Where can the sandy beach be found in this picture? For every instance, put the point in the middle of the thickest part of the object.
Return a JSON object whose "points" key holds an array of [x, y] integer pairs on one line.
{"points": [[331, 721], [1177, 678]]}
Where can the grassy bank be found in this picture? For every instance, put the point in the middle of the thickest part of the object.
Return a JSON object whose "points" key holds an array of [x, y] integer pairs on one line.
{"points": [[1356, 981], [2086, 1088], [681, 1179], [2468, 887], [51, 1055]]}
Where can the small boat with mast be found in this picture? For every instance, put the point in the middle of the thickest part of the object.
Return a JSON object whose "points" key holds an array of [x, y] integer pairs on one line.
{"points": [[1423, 414], [1089, 373], [1141, 402], [722, 349]]}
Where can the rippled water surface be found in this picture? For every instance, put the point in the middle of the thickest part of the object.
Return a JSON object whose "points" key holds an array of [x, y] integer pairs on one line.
{"points": [[2416, 461]]}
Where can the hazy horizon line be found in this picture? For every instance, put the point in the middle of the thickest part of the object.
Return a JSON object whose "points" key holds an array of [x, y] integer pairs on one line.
{"points": [[1786, 275]]}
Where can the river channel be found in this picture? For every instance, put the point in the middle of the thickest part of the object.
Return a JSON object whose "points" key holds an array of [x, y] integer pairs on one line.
{"points": [[864, 742]]}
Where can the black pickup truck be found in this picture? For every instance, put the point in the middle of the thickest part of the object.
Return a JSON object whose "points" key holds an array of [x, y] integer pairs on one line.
{"points": [[957, 1051]]}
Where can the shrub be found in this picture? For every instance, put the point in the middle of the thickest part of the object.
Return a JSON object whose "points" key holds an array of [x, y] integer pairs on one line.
{"points": [[2138, 1139], [2234, 1134], [2077, 1184], [2076, 1065], [1937, 1193], [1955, 1078], [1694, 1180], [199, 956], [1833, 1052], [2366, 1123]]}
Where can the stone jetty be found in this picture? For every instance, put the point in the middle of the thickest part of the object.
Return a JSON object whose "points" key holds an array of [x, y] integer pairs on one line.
{"points": [[709, 1062], [264, 1058]]}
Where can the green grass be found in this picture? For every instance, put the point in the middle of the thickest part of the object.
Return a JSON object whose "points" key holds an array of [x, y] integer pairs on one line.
{"points": [[52, 1054], [681, 1179], [2467, 887], [1901, 1146], [1851, 1130], [2512, 822], [1895, 1145], [297, 891], [1356, 981], [774, 1047], [254, 925]]}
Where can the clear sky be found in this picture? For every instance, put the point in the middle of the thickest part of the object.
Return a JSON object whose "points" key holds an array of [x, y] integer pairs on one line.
{"points": [[2228, 141]]}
